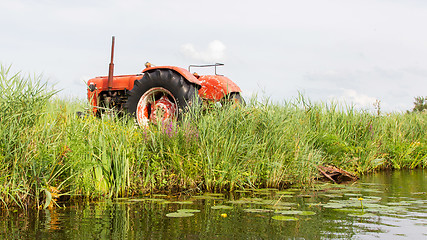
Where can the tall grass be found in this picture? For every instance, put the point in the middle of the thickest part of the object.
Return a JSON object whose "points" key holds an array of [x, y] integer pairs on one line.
{"points": [[27, 160], [46, 149]]}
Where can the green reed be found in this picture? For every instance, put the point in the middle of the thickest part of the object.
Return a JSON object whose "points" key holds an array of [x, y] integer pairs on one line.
{"points": [[45, 146], [26, 160]]}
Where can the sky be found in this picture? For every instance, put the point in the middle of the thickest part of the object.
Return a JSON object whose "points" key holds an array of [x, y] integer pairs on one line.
{"points": [[350, 51]]}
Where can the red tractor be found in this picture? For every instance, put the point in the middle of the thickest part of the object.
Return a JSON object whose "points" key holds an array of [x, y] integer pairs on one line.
{"points": [[159, 93]]}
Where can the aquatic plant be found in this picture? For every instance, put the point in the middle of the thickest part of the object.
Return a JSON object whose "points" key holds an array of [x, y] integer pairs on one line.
{"points": [[361, 203]]}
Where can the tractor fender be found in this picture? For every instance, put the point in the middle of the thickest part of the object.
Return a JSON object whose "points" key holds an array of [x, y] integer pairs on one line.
{"points": [[183, 72], [215, 87]]}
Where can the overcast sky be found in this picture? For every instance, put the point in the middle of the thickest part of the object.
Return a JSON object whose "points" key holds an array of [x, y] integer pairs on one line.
{"points": [[352, 50]]}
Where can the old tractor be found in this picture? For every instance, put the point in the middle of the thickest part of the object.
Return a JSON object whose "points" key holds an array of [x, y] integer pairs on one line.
{"points": [[159, 93]]}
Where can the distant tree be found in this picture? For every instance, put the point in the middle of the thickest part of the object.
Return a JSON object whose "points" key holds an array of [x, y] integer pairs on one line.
{"points": [[420, 104]]}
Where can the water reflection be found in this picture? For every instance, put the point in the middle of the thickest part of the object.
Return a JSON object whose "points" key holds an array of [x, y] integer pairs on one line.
{"points": [[394, 206]]}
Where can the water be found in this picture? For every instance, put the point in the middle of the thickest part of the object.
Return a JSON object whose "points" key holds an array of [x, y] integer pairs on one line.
{"points": [[394, 207]]}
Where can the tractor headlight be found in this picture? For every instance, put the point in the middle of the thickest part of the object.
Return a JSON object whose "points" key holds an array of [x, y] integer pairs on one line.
{"points": [[92, 87]]}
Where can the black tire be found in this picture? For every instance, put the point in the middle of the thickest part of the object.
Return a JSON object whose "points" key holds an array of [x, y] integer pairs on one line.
{"points": [[184, 92], [233, 98]]}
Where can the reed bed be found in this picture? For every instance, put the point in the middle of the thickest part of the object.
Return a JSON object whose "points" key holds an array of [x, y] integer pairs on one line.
{"points": [[47, 151]]}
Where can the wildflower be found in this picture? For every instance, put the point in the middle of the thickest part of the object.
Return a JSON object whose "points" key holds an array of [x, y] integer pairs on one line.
{"points": [[361, 203], [224, 215], [191, 133]]}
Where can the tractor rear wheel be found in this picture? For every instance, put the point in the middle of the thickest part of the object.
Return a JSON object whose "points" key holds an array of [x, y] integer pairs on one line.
{"points": [[161, 95]]}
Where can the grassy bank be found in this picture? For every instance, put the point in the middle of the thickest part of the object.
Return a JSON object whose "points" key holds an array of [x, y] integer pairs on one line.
{"points": [[46, 150]]}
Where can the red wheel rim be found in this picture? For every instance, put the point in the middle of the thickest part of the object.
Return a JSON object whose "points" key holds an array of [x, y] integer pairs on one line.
{"points": [[157, 104]]}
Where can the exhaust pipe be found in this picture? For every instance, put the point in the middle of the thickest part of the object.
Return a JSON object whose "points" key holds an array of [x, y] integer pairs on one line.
{"points": [[111, 68]]}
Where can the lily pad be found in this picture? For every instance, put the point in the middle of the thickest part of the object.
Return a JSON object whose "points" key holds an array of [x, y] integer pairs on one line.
{"points": [[284, 218], [350, 210], [363, 215], [265, 189], [207, 197], [393, 209], [280, 203], [351, 189], [305, 195], [146, 199], [179, 214], [352, 194], [316, 204], [335, 191], [242, 191], [183, 202], [154, 199], [333, 205], [372, 198], [262, 193], [221, 207], [286, 196], [241, 201], [280, 207], [332, 195], [402, 203], [306, 213], [370, 190], [288, 212], [285, 192], [371, 184], [257, 210], [266, 202], [321, 186], [120, 199], [374, 206], [246, 201], [188, 210]]}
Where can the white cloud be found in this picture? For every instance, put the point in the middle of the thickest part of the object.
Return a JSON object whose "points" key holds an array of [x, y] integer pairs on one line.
{"points": [[351, 96], [214, 53], [326, 49]]}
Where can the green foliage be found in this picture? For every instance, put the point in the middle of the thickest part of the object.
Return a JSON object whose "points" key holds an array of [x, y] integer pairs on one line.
{"points": [[27, 157], [45, 147], [420, 104]]}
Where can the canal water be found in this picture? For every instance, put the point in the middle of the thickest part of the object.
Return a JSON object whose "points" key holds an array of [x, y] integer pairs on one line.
{"points": [[386, 205]]}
